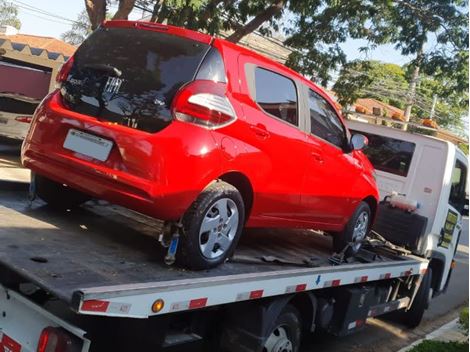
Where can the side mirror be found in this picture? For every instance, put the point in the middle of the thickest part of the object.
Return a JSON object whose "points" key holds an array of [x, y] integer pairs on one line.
{"points": [[358, 141]]}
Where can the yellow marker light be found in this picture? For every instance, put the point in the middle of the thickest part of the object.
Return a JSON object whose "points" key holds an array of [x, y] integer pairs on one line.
{"points": [[158, 305], [454, 264]]}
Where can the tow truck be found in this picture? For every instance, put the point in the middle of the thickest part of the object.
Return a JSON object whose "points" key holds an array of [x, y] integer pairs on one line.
{"points": [[94, 278]]}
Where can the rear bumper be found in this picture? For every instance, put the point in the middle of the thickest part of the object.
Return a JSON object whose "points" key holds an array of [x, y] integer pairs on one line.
{"points": [[156, 174]]}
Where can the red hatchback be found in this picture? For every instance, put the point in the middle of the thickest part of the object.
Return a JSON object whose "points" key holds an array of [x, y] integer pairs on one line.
{"points": [[201, 133]]}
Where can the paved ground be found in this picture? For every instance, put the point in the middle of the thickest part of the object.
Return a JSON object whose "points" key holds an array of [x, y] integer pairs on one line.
{"points": [[378, 336]]}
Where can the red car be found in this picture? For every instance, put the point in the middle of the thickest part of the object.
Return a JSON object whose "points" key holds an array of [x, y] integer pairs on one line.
{"points": [[202, 133]]}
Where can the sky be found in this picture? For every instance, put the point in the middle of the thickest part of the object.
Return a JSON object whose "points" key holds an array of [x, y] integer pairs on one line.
{"points": [[34, 22]]}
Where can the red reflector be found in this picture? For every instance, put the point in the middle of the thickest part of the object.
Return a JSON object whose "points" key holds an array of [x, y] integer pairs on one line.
{"points": [[25, 119], [94, 305], [7, 344], [54, 340], [256, 294], [300, 287], [197, 303], [335, 283]]}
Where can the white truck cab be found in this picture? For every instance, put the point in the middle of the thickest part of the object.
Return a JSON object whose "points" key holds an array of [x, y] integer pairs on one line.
{"points": [[426, 171]]}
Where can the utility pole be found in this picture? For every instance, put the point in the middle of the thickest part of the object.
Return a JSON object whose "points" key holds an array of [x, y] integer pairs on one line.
{"points": [[433, 108]]}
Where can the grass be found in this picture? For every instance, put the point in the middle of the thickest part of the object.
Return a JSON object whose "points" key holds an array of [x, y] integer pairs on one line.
{"points": [[440, 346], [464, 319]]}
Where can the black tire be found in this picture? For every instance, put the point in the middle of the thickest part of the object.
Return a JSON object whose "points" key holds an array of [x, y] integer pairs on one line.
{"points": [[190, 253], [57, 195], [290, 321], [412, 318], [341, 239]]}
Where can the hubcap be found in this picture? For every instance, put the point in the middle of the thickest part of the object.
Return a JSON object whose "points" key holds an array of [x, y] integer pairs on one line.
{"points": [[278, 341], [360, 230], [218, 228]]}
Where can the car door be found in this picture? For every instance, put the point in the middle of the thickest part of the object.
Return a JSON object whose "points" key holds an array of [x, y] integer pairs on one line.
{"points": [[331, 171], [272, 110]]}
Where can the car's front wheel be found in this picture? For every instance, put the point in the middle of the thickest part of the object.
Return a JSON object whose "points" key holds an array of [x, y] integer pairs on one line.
{"points": [[212, 227], [354, 232]]}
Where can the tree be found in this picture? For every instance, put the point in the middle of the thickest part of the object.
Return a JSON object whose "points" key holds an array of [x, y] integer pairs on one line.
{"points": [[79, 31], [9, 14], [97, 9], [389, 83], [414, 21]]}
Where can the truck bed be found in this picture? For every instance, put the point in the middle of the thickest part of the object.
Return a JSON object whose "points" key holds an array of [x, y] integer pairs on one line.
{"points": [[101, 250]]}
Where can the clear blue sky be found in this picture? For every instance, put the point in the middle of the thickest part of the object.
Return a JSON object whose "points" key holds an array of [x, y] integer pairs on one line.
{"points": [[36, 23]]}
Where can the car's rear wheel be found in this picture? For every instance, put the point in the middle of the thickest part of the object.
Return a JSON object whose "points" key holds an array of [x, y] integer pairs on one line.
{"points": [[212, 227], [57, 195], [354, 232]]}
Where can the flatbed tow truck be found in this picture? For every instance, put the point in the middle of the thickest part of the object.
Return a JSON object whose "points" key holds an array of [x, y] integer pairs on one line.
{"points": [[93, 279]]}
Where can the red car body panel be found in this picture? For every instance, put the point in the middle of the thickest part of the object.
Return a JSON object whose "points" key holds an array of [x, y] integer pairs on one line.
{"points": [[298, 180]]}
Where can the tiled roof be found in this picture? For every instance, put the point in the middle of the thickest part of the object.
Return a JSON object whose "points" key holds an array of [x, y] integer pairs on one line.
{"points": [[386, 110], [48, 43]]}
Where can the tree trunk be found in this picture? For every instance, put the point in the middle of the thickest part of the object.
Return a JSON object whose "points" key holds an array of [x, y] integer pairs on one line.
{"points": [[266, 15], [156, 10], [96, 10], [412, 88], [124, 9]]}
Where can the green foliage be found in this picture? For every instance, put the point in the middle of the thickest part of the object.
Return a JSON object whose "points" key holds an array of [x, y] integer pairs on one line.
{"points": [[79, 31], [9, 14], [463, 319], [440, 346]]}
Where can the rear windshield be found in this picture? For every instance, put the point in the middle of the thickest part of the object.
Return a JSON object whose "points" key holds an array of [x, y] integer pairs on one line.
{"points": [[388, 154], [130, 76], [15, 106]]}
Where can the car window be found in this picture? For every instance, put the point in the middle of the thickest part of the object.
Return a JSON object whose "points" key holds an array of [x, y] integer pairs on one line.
{"points": [[457, 188], [388, 154], [324, 122], [276, 95], [212, 68]]}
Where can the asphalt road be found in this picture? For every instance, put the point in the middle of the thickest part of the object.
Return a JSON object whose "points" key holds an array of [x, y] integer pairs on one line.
{"points": [[378, 335]]}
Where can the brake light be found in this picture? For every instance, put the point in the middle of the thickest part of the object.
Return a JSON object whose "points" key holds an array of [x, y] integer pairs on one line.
{"points": [[64, 71], [25, 119], [204, 103], [54, 340]]}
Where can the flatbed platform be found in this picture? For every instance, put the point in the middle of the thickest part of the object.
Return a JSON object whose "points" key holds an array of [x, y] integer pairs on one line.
{"points": [[105, 252]]}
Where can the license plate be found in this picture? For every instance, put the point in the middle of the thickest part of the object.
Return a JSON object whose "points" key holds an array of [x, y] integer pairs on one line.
{"points": [[88, 144]]}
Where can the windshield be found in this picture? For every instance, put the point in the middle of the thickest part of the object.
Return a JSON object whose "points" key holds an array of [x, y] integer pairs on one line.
{"points": [[130, 76]]}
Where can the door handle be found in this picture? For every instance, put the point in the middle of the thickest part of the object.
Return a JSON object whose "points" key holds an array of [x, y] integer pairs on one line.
{"points": [[260, 131], [317, 157]]}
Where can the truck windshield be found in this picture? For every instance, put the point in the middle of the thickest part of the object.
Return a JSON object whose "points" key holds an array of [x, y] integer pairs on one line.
{"points": [[388, 154], [129, 76]]}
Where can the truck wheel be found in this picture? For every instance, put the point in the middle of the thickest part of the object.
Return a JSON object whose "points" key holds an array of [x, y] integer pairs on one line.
{"points": [[286, 333], [354, 232], [412, 318], [212, 227], [57, 195]]}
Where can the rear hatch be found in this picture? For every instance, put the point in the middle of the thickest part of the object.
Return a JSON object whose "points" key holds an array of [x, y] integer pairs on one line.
{"points": [[129, 76]]}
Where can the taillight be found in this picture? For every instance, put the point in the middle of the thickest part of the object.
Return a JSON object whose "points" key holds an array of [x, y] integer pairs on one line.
{"points": [[55, 340], [25, 119], [64, 71], [204, 103]]}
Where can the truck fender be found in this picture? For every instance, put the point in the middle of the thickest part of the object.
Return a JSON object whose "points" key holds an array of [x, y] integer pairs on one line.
{"points": [[248, 324]]}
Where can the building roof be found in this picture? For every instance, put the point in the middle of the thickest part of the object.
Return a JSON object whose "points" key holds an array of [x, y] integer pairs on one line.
{"points": [[46, 43], [386, 110]]}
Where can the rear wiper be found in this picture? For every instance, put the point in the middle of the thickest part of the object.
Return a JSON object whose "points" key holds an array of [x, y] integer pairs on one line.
{"points": [[104, 67]]}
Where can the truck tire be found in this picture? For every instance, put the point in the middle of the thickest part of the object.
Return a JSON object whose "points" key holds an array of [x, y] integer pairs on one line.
{"points": [[412, 318], [355, 231], [57, 195], [212, 227], [286, 332]]}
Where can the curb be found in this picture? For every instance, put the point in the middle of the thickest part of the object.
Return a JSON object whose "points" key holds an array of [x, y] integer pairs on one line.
{"points": [[435, 335]]}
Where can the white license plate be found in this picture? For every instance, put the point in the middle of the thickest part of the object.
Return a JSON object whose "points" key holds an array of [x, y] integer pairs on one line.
{"points": [[88, 144]]}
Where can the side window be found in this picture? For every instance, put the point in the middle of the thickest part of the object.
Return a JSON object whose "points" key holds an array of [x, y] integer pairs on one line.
{"points": [[457, 187], [276, 95], [324, 122], [212, 68]]}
